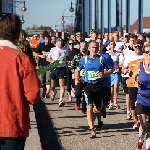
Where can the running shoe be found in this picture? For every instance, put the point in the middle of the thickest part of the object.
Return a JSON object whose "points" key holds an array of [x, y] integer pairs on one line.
{"points": [[138, 146], [111, 106], [100, 125], [117, 106], [84, 112], [93, 134], [47, 95], [76, 107], [129, 116], [61, 103], [53, 96], [136, 125]]}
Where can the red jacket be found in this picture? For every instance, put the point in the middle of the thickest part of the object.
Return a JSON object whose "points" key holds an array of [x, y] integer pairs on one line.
{"points": [[19, 86]]}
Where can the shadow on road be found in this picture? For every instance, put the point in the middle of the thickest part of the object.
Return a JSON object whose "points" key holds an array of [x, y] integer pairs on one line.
{"points": [[48, 137]]}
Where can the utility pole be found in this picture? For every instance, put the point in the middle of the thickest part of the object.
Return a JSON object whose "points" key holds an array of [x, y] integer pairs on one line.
{"points": [[0, 8], [121, 18]]}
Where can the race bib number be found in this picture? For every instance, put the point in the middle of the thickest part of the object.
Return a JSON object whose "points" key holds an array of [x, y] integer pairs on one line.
{"points": [[69, 65], [93, 75]]}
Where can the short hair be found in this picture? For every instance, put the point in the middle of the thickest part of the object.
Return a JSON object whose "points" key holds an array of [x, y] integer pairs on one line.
{"points": [[92, 41], [132, 36], [95, 32], [10, 27]]}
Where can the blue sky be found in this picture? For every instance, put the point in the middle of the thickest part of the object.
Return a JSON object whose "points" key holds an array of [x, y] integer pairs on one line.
{"points": [[47, 12]]}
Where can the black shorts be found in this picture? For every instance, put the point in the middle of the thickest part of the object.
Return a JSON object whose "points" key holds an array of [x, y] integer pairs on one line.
{"points": [[58, 73], [132, 95], [106, 95], [94, 94], [124, 85], [141, 109]]}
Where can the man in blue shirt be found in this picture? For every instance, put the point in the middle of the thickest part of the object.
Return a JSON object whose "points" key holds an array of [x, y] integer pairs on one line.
{"points": [[93, 66]]}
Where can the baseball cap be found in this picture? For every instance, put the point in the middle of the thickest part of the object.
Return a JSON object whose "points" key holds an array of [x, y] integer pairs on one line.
{"points": [[126, 34], [58, 40], [35, 35]]}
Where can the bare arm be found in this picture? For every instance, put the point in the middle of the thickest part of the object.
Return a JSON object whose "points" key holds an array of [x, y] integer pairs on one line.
{"points": [[109, 71], [121, 64], [77, 76], [135, 73], [125, 70], [49, 60]]}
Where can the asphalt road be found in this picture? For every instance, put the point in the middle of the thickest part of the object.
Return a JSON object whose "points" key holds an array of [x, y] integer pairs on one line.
{"points": [[55, 128]]}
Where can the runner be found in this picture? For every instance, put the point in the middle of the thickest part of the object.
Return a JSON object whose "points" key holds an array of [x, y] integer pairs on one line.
{"points": [[70, 82], [58, 73], [42, 52], [115, 78], [142, 105], [106, 84], [129, 66], [79, 87], [94, 73], [125, 53]]}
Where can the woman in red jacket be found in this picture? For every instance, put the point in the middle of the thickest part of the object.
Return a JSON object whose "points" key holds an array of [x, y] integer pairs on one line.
{"points": [[19, 86]]}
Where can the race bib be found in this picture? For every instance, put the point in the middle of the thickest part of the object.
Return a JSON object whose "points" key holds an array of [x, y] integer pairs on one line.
{"points": [[93, 75], [69, 65]]}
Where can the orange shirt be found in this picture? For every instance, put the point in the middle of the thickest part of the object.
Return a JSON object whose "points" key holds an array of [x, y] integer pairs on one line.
{"points": [[132, 66]]}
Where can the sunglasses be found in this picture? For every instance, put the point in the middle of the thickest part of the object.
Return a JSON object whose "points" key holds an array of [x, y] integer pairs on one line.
{"points": [[71, 43], [146, 52], [137, 46]]}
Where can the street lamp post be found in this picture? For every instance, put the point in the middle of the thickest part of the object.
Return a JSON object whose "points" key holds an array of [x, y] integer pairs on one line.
{"points": [[22, 19], [23, 9], [71, 9], [63, 23]]}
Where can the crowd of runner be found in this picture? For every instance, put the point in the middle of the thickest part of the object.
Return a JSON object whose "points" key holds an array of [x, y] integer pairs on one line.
{"points": [[92, 67]]}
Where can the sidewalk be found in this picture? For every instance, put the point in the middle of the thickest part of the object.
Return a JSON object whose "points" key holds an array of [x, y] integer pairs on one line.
{"points": [[66, 129]]}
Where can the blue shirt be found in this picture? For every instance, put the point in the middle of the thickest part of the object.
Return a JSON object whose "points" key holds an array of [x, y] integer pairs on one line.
{"points": [[108, 64], [144, 88], [91, 68], [41, 41]]}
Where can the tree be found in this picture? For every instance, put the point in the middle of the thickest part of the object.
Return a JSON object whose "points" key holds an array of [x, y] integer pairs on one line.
{"points": [[69, 28]]}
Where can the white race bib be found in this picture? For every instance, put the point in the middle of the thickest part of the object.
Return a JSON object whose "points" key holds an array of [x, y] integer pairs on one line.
{"points": [[93, 75]]}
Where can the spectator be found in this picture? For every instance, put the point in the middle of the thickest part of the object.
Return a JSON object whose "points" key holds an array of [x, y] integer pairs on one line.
{"points": [[20, 86], [24, 46]]}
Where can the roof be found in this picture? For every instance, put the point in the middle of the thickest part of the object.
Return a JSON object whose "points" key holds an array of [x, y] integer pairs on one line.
{"points": [[134, 26]]}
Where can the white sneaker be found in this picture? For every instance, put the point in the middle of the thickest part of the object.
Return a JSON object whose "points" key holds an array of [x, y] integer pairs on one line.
{"points": [[70, 99]]}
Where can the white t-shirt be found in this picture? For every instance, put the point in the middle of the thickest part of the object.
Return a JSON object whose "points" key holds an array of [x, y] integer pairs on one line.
{"points": [[131, 58], [119, 45], [57, 53], [127, 53], [115, 59]]}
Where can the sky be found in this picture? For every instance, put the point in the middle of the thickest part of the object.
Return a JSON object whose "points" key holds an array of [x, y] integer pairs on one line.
{"points": [[49, 12]]}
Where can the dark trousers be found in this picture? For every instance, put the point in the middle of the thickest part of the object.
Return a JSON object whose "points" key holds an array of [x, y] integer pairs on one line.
{"points": [[70, 81], [79, 94], [12, 143]]}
